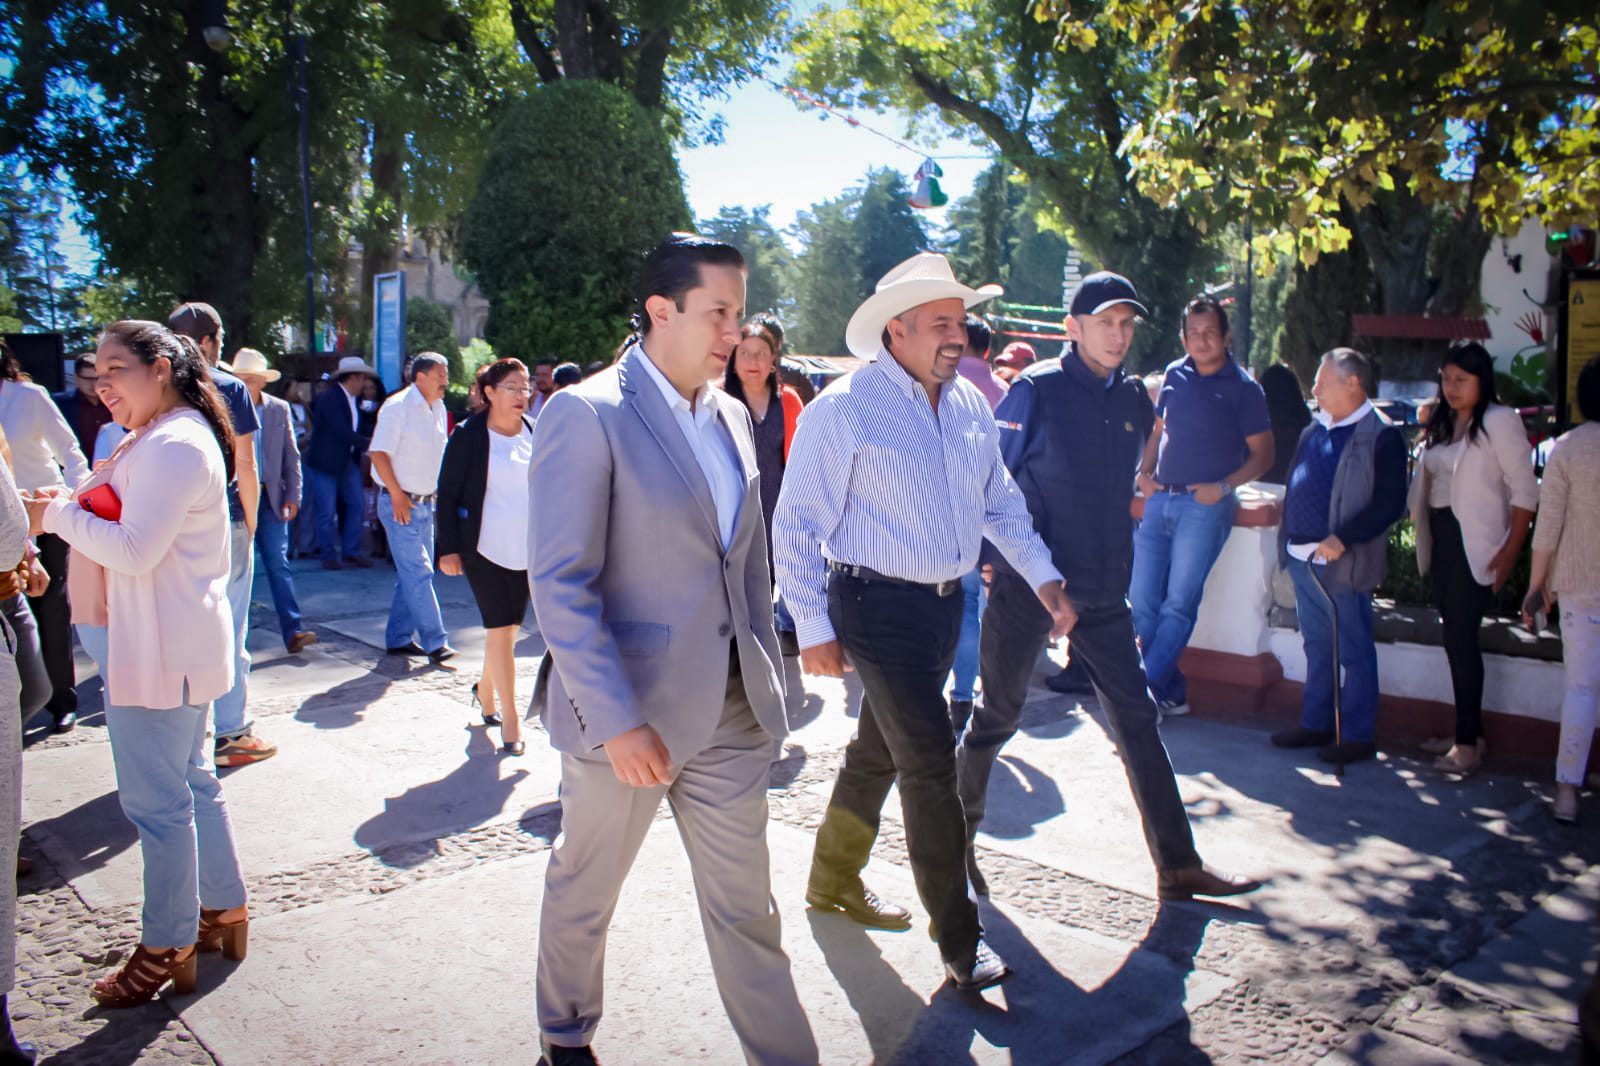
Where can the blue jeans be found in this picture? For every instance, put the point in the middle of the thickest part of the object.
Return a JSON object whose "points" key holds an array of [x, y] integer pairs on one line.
{"points": [[93, 639], [1358, 707], [233, 718], [415, 610], [965, 672], [272, 540], [173, 798], [1174, 548], [338, 494]]}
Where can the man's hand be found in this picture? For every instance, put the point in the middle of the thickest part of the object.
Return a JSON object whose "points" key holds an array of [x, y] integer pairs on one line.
{"points": [[1054, 597], [289, 511], [824, 660], [986, 575], [1501, 565], [1209, 494], [12, 583], [450, 565], [1329, 550], [1148, 486], [402, 507], [38, 577], [639, 758]]}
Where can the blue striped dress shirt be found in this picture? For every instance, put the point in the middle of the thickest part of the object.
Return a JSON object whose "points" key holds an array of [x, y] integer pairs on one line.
{"points": [[874, 479]]}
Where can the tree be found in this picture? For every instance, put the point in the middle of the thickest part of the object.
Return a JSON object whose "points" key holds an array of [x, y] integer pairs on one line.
{"points": [[555, 233], [429, 329], [1056, 110], [998, 237], [769, 259], [848, 243]]}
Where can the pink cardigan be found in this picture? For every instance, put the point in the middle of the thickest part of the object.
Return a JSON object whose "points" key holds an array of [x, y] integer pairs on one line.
{"points": [[166, 566]]}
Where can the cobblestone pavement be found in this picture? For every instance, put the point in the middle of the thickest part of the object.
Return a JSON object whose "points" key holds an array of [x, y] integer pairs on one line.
{"points": [[1298, 994]]}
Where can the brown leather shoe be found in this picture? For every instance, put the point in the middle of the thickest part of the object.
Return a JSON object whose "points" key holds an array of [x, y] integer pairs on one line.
{"points": [[1194, 881], [862, 906], [301, 641]]}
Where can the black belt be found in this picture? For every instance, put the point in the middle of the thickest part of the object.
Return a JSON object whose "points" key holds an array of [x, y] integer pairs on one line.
{"points": [[866, 573], [415, 497]]}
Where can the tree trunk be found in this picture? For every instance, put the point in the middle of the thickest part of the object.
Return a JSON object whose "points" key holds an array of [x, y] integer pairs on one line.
{"points": [[384, 216], [1320, 305], [1395, 229], [572, 35]]}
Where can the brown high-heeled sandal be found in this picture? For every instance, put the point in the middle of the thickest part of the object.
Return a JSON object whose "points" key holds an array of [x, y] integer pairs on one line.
{"points": [[231, 938], [143, 976]]}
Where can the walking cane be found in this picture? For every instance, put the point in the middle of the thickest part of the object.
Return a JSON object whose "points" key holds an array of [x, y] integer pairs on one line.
{"points": [[1338, 686]]}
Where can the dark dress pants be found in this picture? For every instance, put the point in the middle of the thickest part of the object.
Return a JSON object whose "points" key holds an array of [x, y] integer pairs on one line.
{"points": [[54, 616], [1016, 629], [901, 639], [1462, 603]]}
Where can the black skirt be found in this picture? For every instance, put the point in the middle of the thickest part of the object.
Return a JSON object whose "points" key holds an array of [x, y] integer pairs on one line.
{"points": [[502, 594]]}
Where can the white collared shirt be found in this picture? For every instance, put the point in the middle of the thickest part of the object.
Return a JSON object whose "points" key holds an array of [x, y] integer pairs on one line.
{"points": [[1305, 552], [355, 411], [411, 432], [711, 443], [42, 444]]}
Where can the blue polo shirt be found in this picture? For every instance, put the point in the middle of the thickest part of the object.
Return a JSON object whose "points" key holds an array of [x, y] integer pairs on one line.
{"points": [[236, 396], [1205, 420]]}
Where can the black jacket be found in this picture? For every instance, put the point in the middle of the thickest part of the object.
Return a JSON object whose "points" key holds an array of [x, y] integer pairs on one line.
{"points": [[334, 441], [463, 481]]}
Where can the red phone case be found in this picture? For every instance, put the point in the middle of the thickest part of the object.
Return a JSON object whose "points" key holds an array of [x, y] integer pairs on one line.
{"points": [[102, 502]]}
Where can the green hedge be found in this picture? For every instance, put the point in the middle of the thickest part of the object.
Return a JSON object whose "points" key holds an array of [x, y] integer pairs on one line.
{"points": [[1407, 588]]}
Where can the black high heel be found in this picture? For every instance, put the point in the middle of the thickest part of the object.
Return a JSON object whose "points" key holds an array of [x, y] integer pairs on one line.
{"points": [[514, 747], [488, 719]]}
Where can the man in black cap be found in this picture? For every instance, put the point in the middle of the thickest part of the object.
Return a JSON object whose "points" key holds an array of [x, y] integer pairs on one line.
{"points": [[1072, 432]]}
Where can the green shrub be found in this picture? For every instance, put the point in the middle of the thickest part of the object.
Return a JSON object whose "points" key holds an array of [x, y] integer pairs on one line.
{"points": [[579, 183], [429, 328], [1407, 588]]}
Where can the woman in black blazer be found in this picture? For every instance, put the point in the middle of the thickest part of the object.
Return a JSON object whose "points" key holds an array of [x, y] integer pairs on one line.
{"points": [[482, 531]]}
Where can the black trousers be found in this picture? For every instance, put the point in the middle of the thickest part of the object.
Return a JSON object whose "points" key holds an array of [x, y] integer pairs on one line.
{"points": [[901, 640], [54, 616], [1462, 603], [1016, 629]]}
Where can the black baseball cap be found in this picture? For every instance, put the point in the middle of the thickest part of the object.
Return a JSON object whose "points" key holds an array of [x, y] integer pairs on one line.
{"points": [[1104, 289]]}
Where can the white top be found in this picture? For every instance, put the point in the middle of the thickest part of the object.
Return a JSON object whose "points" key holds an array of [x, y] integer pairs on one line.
{"points": [[355, 410], [411, 432], [106, 441], [1440, 462], [712, 445], [503, 537], [42, 444]]}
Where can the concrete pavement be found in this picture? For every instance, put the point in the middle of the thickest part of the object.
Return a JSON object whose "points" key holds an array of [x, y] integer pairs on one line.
{"points": [[395, 862]]}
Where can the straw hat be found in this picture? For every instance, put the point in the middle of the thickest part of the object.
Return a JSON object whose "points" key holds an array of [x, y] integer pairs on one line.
{"points": [[352, 364], [922, 279], [249, 361]]}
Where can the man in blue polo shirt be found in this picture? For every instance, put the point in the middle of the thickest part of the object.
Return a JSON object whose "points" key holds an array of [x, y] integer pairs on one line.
{"points": [[1212, 434], [1072, 432]]}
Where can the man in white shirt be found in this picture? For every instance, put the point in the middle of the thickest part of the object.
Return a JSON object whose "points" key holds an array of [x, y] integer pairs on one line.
{"points": [[407, 448]]}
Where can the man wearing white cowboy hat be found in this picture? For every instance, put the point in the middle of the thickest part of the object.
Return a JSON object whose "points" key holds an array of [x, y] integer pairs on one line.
{"points": [[894, 480], [278, 461], [333, 465]]}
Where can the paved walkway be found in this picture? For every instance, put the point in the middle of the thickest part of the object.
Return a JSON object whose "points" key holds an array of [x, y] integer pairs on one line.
{"points": [[395, 861]]}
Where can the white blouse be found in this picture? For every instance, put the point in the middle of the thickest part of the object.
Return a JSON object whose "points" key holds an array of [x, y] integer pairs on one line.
{"points": [[503, 537], [1440, 460]]}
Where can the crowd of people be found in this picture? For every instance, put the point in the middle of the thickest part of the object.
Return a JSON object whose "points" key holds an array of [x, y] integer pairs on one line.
{"points": [[681, 520]]}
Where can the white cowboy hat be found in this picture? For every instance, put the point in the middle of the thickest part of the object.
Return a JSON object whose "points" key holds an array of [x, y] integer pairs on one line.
{"points": [[352, 364], [249, 361], [923, 278]]}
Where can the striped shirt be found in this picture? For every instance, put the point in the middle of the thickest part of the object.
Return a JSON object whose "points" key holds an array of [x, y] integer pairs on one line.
{"points": [[876, 480]]}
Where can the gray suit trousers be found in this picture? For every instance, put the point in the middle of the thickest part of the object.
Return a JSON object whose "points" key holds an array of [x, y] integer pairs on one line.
{"points": [[719, 799]]}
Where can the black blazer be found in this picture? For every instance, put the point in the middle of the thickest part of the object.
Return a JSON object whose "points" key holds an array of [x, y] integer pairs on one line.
{"points": [[463, 481], [333, 441]]}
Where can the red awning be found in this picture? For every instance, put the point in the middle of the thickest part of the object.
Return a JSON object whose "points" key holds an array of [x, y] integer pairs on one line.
{"points": [[1421, 327]]}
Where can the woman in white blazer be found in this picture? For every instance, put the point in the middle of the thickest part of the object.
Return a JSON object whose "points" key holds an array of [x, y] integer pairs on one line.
{"points": [[1472, 501]]}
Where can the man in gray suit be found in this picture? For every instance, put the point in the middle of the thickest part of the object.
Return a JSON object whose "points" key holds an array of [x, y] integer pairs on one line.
{"points": [[648, 565], [278, 460]]}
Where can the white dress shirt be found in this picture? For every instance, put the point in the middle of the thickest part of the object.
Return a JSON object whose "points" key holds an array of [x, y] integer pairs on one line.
{"points": [[411, 432], [503, 534], [877, 478], [711, 443], [355, 409], [42, 444]]}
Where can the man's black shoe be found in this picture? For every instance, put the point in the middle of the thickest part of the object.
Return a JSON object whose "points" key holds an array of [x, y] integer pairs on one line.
{"points": [[980, 884], [441, 653], [1301, 737], [1348, 752], [980, 970], [410, 648], [64, 721], [555, 1055], [1070, 682], [863, 907]]}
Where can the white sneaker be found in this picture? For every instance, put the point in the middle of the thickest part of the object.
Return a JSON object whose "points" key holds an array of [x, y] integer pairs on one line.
{"points": [[1172, 708]]}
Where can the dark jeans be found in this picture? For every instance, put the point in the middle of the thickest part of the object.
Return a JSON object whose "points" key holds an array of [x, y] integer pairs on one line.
{"points": [[1016, 629], [901, 640], [55, 625], [341, 505], [1462, 603]]}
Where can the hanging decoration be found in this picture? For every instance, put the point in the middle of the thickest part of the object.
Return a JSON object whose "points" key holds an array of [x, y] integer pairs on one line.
{"points": [[928, 194]]}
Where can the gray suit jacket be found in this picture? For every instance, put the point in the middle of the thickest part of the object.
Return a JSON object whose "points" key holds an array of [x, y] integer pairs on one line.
{"points": [[280, 455], [635, 597]]}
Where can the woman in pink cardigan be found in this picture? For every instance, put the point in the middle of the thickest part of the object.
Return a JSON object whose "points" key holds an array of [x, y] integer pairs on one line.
{"points": [[158, 574]]}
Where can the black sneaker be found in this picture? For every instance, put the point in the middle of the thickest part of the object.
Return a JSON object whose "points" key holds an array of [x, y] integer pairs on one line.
{"points": [[410, 648], [441, 653], [1301, 737], [982, 969]]}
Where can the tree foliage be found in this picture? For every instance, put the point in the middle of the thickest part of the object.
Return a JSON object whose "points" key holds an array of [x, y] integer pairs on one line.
{"points": [[768, 258], [429, 328], [555, 234], [1000, 235]]}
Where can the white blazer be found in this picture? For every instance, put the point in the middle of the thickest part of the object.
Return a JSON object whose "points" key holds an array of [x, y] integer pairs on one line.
{"points": [[1492, 474]]}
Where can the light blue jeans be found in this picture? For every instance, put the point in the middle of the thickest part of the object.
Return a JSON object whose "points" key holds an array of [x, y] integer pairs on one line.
{"points": [[415, 610], [1174, 548], [233, 716], [173, 798], [965, 672], [272, 540]]}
